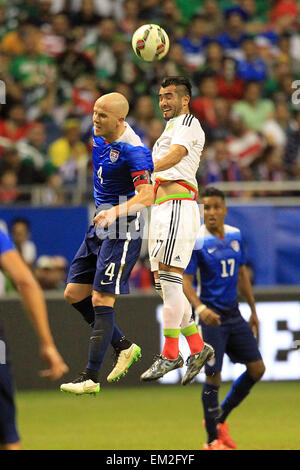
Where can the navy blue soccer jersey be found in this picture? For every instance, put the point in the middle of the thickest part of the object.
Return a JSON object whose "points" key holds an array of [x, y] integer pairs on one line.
{"points": [[116, 164], [219, 261]]}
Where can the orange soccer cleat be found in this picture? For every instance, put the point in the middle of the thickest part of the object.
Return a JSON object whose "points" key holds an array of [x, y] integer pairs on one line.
{"points": [[217, 444], [223, 435]]}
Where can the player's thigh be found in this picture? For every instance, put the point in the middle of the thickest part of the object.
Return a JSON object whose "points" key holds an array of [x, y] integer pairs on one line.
{"points": [[115, 262], [8, 428], [217, 337], [75, 292], [242, 345], [174, 229], [83, 267]]}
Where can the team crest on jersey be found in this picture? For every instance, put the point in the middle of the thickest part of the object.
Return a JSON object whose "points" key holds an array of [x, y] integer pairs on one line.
{"points": [[114, 155], [235, 245]]}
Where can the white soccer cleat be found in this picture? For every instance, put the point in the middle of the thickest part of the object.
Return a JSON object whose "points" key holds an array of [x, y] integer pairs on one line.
{"points": [[81, 386], [125, 359]]}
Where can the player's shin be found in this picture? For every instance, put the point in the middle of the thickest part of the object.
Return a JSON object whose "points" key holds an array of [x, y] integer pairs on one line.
{"points": [[190, 330], [240, 389], [101, 337], [85, 307], [211, 410], [171, 284]]}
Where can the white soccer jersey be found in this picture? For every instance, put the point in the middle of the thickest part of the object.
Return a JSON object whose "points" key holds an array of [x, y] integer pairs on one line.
{"points": [[183, 130]]}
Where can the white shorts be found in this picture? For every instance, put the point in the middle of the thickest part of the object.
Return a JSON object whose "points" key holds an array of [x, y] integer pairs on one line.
{"points": [[174, 228]]}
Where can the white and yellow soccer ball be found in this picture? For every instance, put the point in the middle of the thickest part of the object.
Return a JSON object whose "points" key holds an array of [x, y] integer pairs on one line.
{"points": [[150, 42]]}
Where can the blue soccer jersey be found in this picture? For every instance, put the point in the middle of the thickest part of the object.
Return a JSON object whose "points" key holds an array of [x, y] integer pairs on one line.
{"points": [[6, 243], [115, 166], [219, 261], [8, 429]]}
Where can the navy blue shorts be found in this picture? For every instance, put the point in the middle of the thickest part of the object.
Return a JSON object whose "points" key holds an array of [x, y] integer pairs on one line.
{"points": [[235, 338], [8, 428], [105, 263]]}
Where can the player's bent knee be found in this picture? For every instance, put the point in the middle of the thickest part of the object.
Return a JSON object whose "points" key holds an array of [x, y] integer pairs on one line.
{"points": [[256, 370], [103, 299], [213, 379], [71, 296]]}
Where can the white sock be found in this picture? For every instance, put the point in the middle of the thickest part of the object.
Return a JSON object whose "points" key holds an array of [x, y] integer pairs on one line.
{"points": [[158, 288], [187, 319], [171, 284]]}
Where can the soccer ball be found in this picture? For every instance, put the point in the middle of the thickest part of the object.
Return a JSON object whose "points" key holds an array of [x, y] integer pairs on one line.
{"points": [[150, 42]]}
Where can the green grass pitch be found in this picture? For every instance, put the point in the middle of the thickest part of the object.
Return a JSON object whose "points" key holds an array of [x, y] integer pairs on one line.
{"points": [[155, 418]]}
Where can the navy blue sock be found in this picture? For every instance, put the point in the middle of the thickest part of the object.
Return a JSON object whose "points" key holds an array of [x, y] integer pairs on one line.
{"points": [[211, 410], [240, 389], [117, 336], [101, 336], [85, 307]]}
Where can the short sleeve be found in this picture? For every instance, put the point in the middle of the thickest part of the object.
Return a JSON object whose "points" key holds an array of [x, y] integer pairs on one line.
{"points": [[243, 259], [192, 267], [6, 243], [139, 158], [188, 132]]}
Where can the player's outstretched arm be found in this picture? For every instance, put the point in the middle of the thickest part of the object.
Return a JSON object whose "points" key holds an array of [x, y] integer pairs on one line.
{"points": [[245, 289], [34, 302], [209, 317], [143, 198]]}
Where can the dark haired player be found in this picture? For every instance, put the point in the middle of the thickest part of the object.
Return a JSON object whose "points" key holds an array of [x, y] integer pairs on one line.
{"points": [[221, 261], [174, 226], [101, 268]]}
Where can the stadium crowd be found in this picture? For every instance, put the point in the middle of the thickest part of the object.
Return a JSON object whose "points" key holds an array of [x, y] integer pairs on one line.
{"points": [[57, 57]]}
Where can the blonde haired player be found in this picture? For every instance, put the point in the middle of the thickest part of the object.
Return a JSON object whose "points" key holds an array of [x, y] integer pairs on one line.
{"points": [[174, 226]]}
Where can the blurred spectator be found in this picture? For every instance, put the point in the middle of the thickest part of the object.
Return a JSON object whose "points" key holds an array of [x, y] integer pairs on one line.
{"points": [[47, 274], [32, 68], [69, 153], [221, 129], [175, 61], [98, 47], [34, 146], [234, 35], [292, 149], [275, 129], [244, 145], [219, 164], [60, 264], [170, 15], [86, 16], [9, 192], [25, 170], [253, 108], [203, 106], [130, 17], [15, 126], [251, 67], [194, 42], [229, 85], [213, 63], [53, 40], [143, 113], [213, 16], [154, 131], [53, 194], [20, 232], [141, 277], [271, 168], [72, 62]]}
